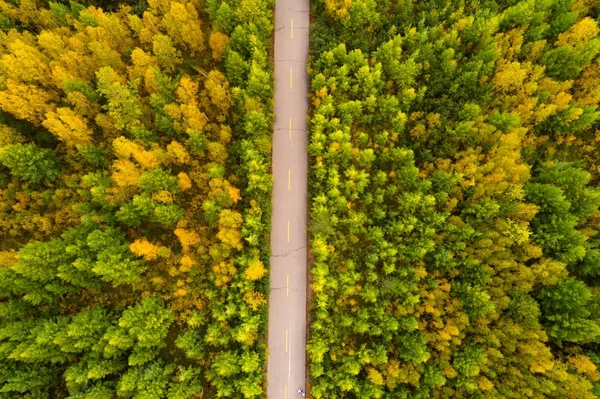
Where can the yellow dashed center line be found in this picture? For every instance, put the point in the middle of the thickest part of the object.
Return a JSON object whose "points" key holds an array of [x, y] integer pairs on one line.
{"points": [[285, 391], [292, 30]]}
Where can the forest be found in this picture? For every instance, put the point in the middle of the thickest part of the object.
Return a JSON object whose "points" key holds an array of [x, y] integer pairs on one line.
{"points": [[135, 188], [454, 199]]}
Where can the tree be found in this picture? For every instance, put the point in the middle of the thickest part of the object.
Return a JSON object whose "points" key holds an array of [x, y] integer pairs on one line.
{"points": [[566, 314], [218, 42], [183, 25], [69, 127], [31, 162], [167, 55], [123, 103]]}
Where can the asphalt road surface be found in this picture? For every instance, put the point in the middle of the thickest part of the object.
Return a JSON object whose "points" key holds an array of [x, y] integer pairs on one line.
{"points": [[287, 304]]}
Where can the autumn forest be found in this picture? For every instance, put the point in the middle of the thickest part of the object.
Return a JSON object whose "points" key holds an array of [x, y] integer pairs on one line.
{"points": [[454, 198]]}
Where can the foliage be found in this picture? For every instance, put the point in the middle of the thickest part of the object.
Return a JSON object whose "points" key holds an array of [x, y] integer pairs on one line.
{"points": [[454, 199], [132, 196]]}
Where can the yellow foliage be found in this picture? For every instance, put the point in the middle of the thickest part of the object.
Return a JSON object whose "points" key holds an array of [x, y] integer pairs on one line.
{"points": [[7, 259], [184, 26], [217, 152], [184, 182], [484, 384], [583, 364], [142, 247], [24, 63], [187, 238], [125, 173], [187, 90], [146, 159], [374, 376], [179, 292], [254, 299], [217, 87], [217, 42], [122, 147], [178, 153], [186, 115], [450, 372], [27, 102], [247, 333], [186, 263], [338, 9], [229, 228], [142, 62], [588, 86], [68, 127], [163, 196], [256, 270], [52, 43], [9, 136], [561, 100], [125, 148], [167, 55], [509, 76], [579, 33], [549, 271]]}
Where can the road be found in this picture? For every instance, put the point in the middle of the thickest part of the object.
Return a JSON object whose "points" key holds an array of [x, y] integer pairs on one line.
{"points": [[287, 304]]}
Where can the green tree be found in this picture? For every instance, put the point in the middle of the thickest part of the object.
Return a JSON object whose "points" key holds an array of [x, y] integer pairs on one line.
{"points": [[31, 162]]}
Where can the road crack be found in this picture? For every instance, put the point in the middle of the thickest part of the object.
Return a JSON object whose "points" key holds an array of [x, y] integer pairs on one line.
{"points": [[288, 252]]}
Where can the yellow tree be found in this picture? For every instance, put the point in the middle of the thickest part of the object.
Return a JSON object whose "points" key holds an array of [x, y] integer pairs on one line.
{"points": [[178, 153], [186, 114], [338, 9], [52, 44], [25, 63], [141, 62], [217, 88], [143, 247], [184, 181], [125, 148], [255, 270], [168, 56], [68, 127], [27, 102], [585, 29], [184, 26], [187, 238], [217, 42], [230, 223], [125, 173]]}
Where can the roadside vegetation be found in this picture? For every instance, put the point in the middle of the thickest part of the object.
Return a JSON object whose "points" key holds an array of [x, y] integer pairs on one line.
{"points": [[135, 189], [454, 199]]}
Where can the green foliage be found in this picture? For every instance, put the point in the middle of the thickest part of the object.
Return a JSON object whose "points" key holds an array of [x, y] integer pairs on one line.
{"points": [[454, 200], [566, 313], [108, 189], [30, 162]]}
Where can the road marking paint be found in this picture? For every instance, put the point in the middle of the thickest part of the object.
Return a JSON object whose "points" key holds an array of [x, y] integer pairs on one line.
{"points": [[287, 289], [285, 391], [288, 231], [289, 179], [290, 129], [286, 340], [292, 30], [291, 74], [290, 355]]}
